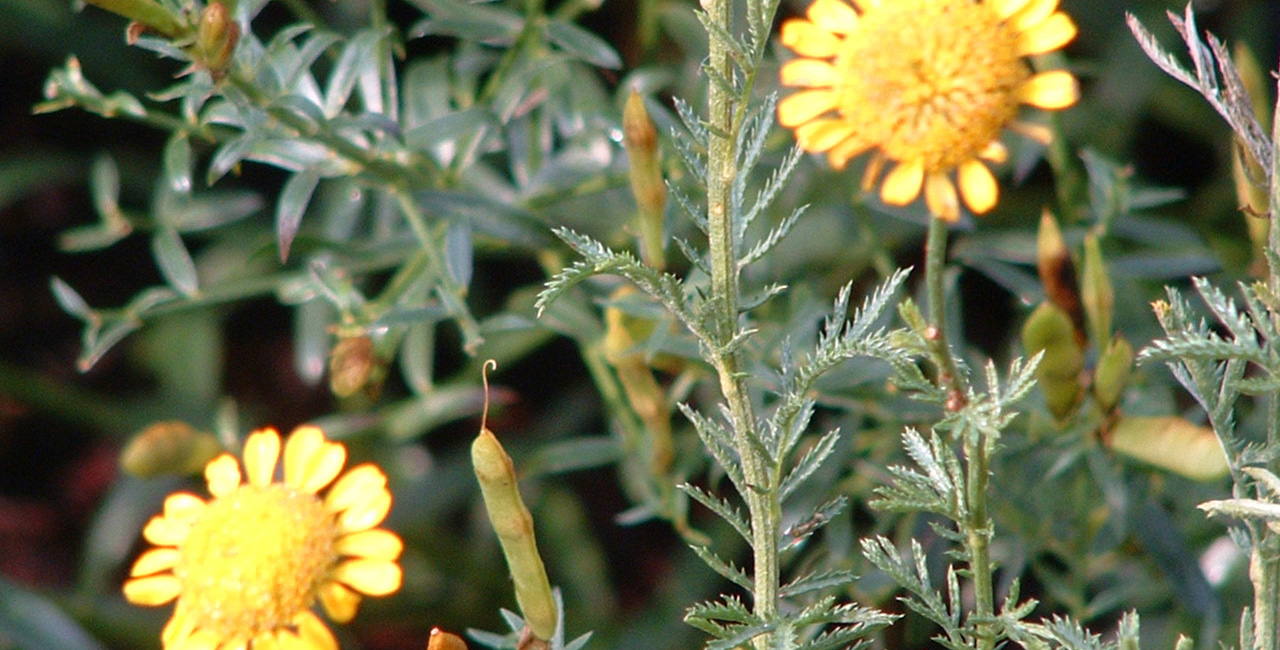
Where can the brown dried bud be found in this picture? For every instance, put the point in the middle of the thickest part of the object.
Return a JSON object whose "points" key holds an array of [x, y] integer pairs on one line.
{"points": [[172, 447], [1058, 272]]}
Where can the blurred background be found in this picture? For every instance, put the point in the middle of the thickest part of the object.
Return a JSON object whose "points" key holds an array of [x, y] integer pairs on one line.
{"points": [[62, 429]]}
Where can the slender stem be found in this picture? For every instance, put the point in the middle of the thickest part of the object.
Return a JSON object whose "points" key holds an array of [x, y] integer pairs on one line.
{"points": [[722, 170], [978, 534], [935, 260]]}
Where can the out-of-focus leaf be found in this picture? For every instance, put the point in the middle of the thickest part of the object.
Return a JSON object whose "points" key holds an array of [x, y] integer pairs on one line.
{"points": [[311, 338], [1166, 266], [583, 44], [490, 216], [228, 156], [177, 162], [293, 203], [30, 620], [302, 107], [115, 529], [356, 65], [209, 209], [176, 265], [469, 21], [1170, 443], [22, 174], [289, 154], [417, 356], [444, 404], [426, 92], [458, 250], [572, 455], [447, 129], [69, 299], [104, 186]]}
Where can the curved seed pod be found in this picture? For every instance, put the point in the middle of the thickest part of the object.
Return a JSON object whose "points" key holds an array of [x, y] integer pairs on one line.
{"points": [[514, 525], [1112, 374]]}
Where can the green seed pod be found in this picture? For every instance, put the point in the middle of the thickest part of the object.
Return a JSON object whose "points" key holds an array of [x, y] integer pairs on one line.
{"points": [[216, 36], [514, 525], [641, 141], [1112, 374], [1097, 295], [169, 448], [1049, 330]]}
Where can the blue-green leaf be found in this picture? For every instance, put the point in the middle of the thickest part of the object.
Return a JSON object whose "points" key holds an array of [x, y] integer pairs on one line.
{"points": [[176, 265], [583, 44], [293, 203]]}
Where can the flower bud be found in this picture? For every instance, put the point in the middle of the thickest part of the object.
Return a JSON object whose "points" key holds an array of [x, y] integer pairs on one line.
{"points": [[1097, 295], [640, 139], [1058, 272], [171, 447], [1049, 330], [441, 640], [216, 36], [1112, 374], [354, 366]]}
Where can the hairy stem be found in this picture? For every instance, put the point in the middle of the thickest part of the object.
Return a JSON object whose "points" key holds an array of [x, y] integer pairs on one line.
{"points": [[978, 536], [722, 169]]}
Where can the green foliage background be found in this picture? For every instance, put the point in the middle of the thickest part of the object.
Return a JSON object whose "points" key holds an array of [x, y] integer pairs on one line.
{"points": [[1090, 533]]}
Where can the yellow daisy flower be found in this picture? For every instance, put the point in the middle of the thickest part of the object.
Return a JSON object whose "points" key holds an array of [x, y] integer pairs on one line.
{"points": [[247, 566], [930, 84]]}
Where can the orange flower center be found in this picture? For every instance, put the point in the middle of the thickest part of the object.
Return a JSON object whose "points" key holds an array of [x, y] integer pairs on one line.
{"points": [[255, 559], [933, 80]]}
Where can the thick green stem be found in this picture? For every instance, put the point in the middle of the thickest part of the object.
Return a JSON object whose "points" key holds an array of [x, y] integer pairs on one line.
{"points": [[722, 169]]}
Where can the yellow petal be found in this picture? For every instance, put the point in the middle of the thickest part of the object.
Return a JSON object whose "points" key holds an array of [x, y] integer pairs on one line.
{"points": [[841, 153], [266, 641], [808, 72], [995, 151], [152, 590], [820, 135], [1038, 132], [1053, 89], [940, 196], [977, 186], [311, 462], [367, 513], [808, 39], [163, 531], [805, 105], [183, 508], [834, 15], [1031, 14], [299, 450], [376, 544], [359, 484], [1006, 8], [202, 640], [1052, 33], [872, 172], [902, 185], [223, 475], [261, 451], [339, 602], [314, 633], [866, 5], [372, 577], [179, 627], [286, 639], [155, 561]]}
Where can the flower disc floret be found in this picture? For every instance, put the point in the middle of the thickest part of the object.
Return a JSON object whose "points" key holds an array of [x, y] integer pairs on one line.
{"points": [[928, 84], [247, 566]]}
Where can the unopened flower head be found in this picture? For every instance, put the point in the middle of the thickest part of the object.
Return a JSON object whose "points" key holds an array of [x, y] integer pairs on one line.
{"points": [[928, 84], [247, 566]]}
